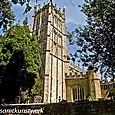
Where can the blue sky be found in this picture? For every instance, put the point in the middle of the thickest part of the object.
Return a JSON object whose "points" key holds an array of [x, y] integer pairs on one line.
{"points": [[74, 17]]}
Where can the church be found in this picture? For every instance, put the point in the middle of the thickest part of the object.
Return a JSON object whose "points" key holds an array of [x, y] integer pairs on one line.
{"points": [[62, 81]]}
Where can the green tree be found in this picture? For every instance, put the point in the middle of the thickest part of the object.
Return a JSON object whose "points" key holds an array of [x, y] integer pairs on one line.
{"points": [[96, 40], [6, 14], [19, 62], [37, 87]]}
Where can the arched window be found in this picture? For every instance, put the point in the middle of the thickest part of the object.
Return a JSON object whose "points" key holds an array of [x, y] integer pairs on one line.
{"points": [[78, 93]]}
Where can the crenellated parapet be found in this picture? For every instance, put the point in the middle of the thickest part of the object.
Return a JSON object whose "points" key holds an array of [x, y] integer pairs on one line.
{"points": [[75, 72], [75, 75]]}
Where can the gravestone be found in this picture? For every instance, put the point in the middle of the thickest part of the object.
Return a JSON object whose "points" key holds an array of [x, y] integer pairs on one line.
{"points": [[37, 99], [17, 99]]}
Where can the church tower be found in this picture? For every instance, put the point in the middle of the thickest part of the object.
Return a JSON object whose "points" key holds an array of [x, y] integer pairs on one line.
{"points": [[49, 26]]}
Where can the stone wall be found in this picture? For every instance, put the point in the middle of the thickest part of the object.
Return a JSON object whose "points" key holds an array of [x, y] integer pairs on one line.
{"points": [[77, 108], [77, 83]]}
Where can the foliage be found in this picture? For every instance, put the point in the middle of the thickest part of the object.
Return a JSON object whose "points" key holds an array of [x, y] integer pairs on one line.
{"points": [[37, 89], [92, 98], [19, 61], [96, 40], [6, 14], [112, 92], [25, 22]]}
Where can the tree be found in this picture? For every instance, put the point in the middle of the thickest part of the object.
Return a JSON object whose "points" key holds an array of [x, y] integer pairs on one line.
{"points": [[6, 14], [37, 88], [19, 62], [96, 40]]}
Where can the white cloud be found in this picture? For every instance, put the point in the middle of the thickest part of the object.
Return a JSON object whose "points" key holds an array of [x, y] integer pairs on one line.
{"points": [[73, 13]]}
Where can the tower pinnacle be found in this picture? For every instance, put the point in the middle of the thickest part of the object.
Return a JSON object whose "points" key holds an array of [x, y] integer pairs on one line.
{"points": [[49, 1]]}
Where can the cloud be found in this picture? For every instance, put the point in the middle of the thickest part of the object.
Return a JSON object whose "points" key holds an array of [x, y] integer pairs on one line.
{"points": [[73, 13]]}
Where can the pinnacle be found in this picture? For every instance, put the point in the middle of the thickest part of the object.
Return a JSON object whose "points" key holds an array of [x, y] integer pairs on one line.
{"points": [[49, 1]]}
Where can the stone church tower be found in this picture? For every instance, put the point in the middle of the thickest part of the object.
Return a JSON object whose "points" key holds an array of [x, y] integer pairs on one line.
{"points": [[49, 26], [62, 80]]}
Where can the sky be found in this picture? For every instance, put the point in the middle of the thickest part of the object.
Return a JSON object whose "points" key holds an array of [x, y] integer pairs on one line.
{"points": [[74, 17]]}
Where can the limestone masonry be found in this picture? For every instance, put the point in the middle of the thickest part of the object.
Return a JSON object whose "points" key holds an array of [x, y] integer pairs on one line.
{"points": [[62, 81]]}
